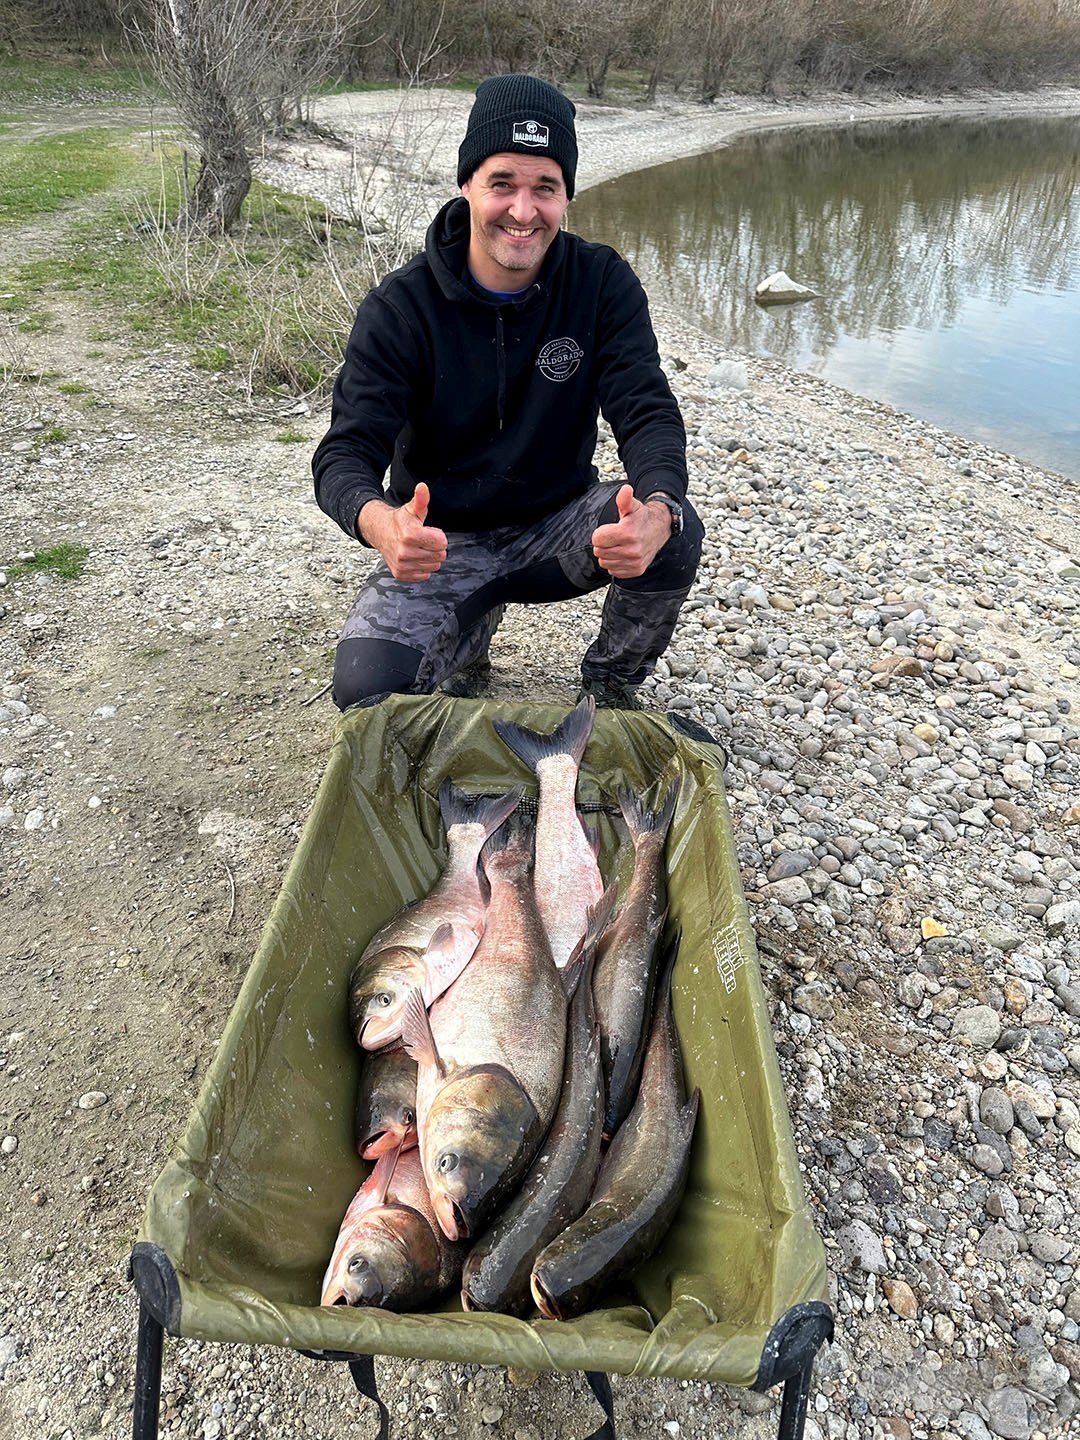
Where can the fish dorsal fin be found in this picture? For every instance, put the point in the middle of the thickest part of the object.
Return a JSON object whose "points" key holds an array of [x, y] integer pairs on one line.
{"points": [[416, 1034]]}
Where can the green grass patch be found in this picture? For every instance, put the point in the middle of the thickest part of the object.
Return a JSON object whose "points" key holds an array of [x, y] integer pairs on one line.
{"points": [[260, 303], [65, 561], [28, 81], [40, 176], [53, 435], [291, 436], [73, 387]]}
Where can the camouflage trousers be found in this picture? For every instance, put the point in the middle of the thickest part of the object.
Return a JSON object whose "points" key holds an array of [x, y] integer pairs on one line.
{"points": [[407, 637]]}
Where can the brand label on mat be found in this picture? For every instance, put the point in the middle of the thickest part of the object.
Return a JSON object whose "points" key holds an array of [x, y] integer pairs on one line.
{"points": [[728, 955]]}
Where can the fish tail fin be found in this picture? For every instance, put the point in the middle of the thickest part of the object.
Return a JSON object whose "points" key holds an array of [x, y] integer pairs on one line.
{"points": [[458, 808], [416, 1034], [569, 738], [509, 851], [640, 821]]}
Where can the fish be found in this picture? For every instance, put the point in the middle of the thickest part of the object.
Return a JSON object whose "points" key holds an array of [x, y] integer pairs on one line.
{"points": [[427, 945], [567, 876], [557, 1188], [641, 1181], [490, 1052], [389, 1250], [386, 1103], [625, 964]]}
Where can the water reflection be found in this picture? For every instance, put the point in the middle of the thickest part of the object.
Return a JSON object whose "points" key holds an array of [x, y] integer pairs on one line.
{"points": [[948, 254]]}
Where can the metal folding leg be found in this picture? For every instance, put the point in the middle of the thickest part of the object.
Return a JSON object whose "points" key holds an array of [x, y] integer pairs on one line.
{"points": [[147, 1376], [794, 1404]]}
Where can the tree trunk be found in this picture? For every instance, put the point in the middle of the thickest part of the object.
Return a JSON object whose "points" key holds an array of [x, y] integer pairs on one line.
{"points": [[224, 171]]}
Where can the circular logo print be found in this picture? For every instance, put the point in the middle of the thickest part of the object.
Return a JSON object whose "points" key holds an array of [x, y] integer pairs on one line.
{"points": [[560, 358]]}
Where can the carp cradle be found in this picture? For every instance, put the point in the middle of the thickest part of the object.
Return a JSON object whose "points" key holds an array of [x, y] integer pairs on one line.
{"points": [[242, 1219]]}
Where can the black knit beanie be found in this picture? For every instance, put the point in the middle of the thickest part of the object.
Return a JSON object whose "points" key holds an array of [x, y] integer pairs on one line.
{"points": [[519, 114]]}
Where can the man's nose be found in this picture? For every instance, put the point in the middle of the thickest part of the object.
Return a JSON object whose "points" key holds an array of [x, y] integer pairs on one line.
{"points": [[523, 207]]}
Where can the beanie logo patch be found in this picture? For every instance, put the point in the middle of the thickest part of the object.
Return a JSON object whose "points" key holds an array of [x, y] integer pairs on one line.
{"points": [[529, 132], [560, 358]]}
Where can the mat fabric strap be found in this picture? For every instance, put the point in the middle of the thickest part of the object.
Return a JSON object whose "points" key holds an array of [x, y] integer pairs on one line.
{"points": [[363, 1373], [600, 1386]]}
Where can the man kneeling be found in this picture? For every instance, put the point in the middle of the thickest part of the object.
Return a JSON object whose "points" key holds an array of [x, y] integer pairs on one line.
{"points": [[476, 373]]}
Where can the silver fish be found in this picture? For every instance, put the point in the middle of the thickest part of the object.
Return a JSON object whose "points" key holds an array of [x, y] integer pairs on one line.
{"points": [[427, 945], [568, 879], [490, 1054]]}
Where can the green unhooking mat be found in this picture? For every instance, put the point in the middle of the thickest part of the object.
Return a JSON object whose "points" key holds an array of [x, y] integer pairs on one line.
{"points": [[248, 1207]]}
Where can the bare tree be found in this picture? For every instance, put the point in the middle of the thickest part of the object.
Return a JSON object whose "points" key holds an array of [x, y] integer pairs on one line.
{"points": [[234, 69]]}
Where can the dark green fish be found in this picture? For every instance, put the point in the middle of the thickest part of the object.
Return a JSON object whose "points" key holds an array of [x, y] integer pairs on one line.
{"points": [[625, 965], [640, 1184]]}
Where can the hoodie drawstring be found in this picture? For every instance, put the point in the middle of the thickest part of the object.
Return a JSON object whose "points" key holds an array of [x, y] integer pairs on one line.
{"points": [[500, 361]]}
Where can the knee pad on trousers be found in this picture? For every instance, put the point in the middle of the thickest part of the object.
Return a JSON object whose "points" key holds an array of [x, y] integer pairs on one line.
{"points": [[365, 667]]}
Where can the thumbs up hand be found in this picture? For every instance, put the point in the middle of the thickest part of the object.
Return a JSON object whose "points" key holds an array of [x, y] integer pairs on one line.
{"points": [[412, 549], [626, 548]]}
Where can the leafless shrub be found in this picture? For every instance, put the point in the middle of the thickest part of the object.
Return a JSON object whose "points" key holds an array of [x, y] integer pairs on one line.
{"points": [[235, 69]]}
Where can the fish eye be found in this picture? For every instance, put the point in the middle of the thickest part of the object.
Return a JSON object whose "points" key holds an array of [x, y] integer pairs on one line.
{"points": [[383, 998], [356, 1263], [447, 1162], [409, 1116]]}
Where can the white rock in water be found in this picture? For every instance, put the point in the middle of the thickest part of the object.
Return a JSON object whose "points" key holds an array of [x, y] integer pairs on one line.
{"points": [[92, 1100], [780, 289]]}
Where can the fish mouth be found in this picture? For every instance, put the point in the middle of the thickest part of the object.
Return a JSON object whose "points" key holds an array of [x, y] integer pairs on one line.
{"points": [[544, 1303], [377, 1032], [380, 1142], [451, 1218]]}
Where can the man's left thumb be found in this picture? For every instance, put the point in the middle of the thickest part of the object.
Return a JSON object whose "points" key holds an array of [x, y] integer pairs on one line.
{"points": [[625, 501]]}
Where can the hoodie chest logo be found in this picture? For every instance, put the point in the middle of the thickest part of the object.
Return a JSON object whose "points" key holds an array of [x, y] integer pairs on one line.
{"points": [[560, 358]]}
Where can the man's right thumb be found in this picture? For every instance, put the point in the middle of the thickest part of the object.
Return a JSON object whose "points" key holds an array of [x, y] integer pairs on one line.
{"points": [[418, 505]]}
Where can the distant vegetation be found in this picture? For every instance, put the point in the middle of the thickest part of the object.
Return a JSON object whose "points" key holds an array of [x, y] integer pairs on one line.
{"points": [[699, 47]]}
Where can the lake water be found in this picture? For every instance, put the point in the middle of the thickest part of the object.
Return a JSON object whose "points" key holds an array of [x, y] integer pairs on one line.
{"points": [[947, 253]]}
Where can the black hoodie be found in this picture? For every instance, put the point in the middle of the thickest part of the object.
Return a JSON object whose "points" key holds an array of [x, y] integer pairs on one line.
{"points": [[494, 403]]}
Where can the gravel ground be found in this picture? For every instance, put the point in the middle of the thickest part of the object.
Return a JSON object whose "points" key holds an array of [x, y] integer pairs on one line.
{"points": [[883, 635]]}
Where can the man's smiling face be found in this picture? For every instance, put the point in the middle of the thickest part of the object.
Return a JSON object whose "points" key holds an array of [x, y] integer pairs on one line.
{"points": [[516, 203]]}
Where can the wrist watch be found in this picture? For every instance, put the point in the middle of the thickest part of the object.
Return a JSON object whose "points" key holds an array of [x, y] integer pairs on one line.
{"points": [[672, 505]]}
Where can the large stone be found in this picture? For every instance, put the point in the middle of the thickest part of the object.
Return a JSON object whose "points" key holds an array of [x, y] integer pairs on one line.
{"points": [[901, 1298], [793, 891], [1007, 1413], [1065, 915], [780, 289], [978, 1024], [996, 1110], [861, 1248]]}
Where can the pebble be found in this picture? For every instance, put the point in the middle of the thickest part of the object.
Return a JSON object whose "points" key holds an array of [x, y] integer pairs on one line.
{"points": [[9, 1144], [92, 1100], [35, 819]]}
